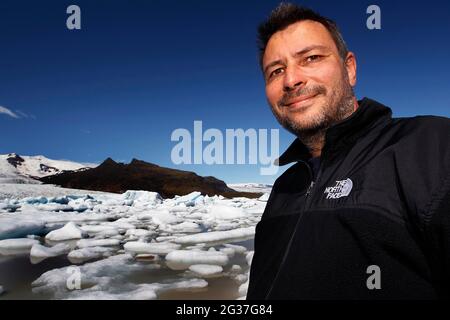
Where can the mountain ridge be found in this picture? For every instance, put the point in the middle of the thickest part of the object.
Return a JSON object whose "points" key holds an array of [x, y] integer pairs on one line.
{"points": [[111, 176]]}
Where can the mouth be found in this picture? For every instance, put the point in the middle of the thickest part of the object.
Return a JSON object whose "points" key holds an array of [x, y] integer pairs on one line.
{"points": [[300, 102]]}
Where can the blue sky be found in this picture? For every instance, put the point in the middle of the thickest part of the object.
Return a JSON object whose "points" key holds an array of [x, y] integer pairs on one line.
{"points": [[137, 70]]}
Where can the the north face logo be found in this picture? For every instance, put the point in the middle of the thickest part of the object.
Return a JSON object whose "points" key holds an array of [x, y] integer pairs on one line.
{"points": [[341, 189]]}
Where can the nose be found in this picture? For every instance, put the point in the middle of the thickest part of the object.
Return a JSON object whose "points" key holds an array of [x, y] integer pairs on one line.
{"points": [[293, 78]]}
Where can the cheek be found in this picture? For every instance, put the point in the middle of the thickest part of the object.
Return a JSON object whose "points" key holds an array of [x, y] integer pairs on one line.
{"points": [[328, 75], [273, 93]]}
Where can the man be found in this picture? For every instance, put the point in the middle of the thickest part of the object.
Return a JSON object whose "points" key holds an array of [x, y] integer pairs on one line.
{"points": [[364, 213]]}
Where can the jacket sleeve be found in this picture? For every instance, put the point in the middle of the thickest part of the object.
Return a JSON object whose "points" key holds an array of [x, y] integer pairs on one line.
{"points": [[437, 239], [434, 211], [424, 176]]}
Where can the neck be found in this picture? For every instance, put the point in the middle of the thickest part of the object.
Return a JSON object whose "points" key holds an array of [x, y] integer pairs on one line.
{"points": [[316, 142]]}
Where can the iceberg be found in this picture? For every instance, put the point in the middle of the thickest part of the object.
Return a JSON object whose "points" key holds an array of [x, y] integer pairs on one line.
{"points": [[206, 270], [90, 253], [218, 236], [85, 243], [69, 232], [16, 246], [225, 212], [183, 259], [161, 248], [39, 252]]}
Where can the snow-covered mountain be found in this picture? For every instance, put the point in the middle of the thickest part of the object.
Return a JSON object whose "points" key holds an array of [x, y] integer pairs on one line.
{"points": [[23, 169], [251, 187]]}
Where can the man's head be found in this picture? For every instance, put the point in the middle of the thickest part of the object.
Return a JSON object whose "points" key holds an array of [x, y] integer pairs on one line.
{"points": [[308, 71]]}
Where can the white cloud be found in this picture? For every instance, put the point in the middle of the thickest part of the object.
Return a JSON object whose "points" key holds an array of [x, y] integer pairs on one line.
{"points": [[8, 112]]}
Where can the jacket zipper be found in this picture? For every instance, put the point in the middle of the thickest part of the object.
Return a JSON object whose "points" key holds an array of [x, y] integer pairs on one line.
{"points": [[305, 206]]}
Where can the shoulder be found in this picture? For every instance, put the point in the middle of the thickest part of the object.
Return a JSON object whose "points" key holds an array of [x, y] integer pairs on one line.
{"points": [[423, 134], [430, 125]]}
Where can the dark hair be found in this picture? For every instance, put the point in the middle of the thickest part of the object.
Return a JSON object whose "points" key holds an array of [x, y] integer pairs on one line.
{"points": [[288, 13]]}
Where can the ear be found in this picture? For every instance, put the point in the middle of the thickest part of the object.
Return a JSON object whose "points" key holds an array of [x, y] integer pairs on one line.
{"points": [[350, 65]]}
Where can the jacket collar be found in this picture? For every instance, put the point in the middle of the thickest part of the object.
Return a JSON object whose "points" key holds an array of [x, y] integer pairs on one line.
{"points": [[342, 134]]}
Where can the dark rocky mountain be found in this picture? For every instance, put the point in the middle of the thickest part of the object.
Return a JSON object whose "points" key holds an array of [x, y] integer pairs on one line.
{"points": [[111, 176]]}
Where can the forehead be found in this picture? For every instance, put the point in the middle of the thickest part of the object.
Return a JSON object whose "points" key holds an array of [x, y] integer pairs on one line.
{"points": [[296, 37]]}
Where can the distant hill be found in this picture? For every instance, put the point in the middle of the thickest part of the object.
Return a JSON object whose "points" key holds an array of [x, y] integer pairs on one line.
{"points": [[111, 176]]}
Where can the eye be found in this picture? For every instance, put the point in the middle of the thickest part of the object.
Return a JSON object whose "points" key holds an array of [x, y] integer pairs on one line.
{"points": [[275, 72], [313, 58]]}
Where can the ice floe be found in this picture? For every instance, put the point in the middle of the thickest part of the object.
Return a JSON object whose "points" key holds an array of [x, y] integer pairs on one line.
{"points": [[39, 252], [183, 259], [206, 270], [69, 232], [218, 236], [89, 253], [85, 243], [16, 246], [161, 248]]}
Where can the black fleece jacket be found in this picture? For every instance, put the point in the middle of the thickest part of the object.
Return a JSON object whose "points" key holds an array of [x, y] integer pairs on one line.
{"points": [[381, 199]]}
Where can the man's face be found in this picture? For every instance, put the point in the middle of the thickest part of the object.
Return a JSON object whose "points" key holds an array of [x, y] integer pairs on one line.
{"points": [[308, 86]]}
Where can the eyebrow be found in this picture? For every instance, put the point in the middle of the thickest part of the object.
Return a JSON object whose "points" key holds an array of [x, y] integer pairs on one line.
{"points": [[297, 54]]}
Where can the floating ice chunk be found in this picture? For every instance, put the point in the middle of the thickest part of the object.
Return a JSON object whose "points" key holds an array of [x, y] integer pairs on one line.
{"points": [[14, 227], [96, 228], [142, 198], [34, 200], [9, 207], [235, 268], [179, 208], [39, 252], [186, 227], [189, 199], [249, 257], [140, 233], [61, 199], [77, 206], [228, 251], [16, 246], [164, 217], [68, 232], [243, 288], [198, 246], [206, 270], [237, 249], [240, 278], [90, 253], [226, 212], [218, 236], [264, 197], [100, 231], [54, 207], [183, 259], [85, 243], [165, 238], [162, 248], [226, 226], [196, 215], [122, 224]]}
